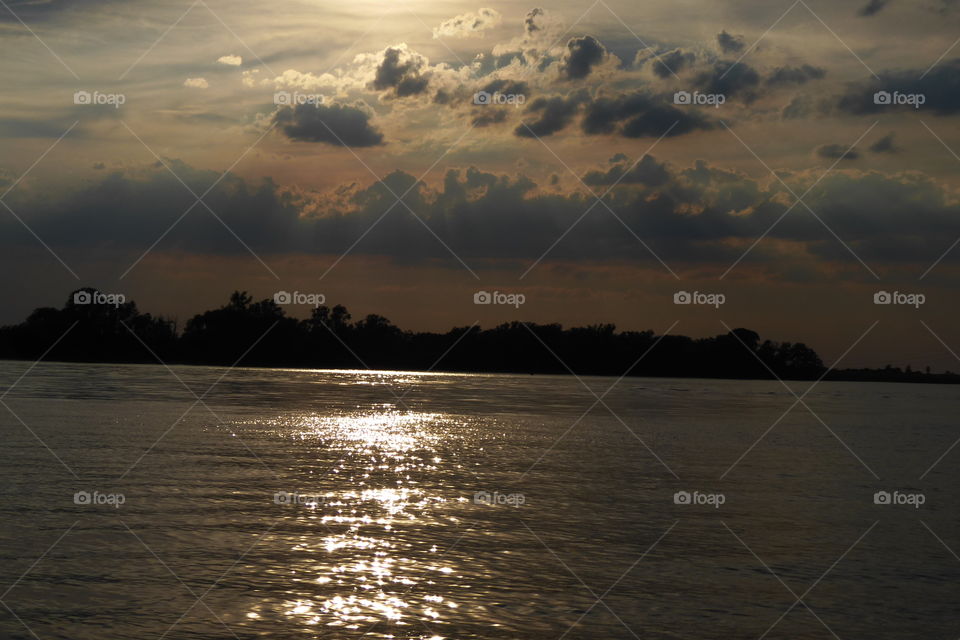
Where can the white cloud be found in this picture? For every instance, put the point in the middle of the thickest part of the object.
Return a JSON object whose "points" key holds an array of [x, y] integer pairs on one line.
{"points": [[250, 78], [468, 24], [233, 61], [196, 83], [293, 79]]}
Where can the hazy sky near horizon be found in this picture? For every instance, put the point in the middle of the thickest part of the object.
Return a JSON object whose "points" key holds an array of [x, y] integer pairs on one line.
{"points": [[389, 189]]}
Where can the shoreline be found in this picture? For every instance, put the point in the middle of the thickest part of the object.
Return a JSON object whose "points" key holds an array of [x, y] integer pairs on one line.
{"points": [[841, 375]]}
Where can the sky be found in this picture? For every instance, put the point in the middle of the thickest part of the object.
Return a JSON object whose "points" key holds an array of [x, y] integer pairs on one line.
{"points": [[797, 157]]}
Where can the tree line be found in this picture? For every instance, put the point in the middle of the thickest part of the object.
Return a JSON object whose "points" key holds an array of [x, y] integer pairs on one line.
{"points": [[246, 332]]}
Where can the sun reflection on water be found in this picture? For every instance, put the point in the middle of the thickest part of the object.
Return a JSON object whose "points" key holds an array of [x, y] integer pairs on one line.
{"points": [[361, 562]]}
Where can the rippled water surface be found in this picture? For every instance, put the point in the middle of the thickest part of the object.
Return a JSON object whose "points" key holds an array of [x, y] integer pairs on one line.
{"points": [[321, 504]]}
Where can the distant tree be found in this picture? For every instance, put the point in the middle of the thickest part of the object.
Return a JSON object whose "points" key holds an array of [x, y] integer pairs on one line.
{"points": [[93, 327], [239, 300], [340, 319], [750, 338], [220, 336]]}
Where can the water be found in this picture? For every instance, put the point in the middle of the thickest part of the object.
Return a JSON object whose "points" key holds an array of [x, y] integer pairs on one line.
{"points": [[385, 537]]}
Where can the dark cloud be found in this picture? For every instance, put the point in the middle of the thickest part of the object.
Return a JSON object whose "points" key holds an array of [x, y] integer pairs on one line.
{"points": [[885, 145], [657, 121], [805, 105], [39, 128], [795, 75], [504, 85], [555, 113], [730, 79], [872, 8], [730, 43], [582, 55], [837, 151], [647, 172], [530, 20], [799, 107], [257, 211], [940, 88], [672, 62], [488, 116], [401, 71], [339, 125], [640, 114], [695, 214], [411, 86]]}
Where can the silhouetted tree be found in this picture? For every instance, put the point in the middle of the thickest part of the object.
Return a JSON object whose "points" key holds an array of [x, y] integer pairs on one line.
{"points": [[89, 327]]}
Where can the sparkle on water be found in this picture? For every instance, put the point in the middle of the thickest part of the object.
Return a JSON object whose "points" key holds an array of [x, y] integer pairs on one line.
{"points": [[393, 444]]}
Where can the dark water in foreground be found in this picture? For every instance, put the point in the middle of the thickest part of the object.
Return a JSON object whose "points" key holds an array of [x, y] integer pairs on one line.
{"points": [[386, 538]]}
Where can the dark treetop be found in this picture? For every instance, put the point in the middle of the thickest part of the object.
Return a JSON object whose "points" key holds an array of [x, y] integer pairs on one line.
{"points": [[248, 333]]}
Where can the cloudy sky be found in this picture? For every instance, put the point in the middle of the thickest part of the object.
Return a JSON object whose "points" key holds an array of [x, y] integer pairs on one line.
{"points": [[400, 156]]}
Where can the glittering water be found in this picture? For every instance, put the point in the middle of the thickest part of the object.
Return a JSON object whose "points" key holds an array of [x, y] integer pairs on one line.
{"points": [[312, 504]]}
